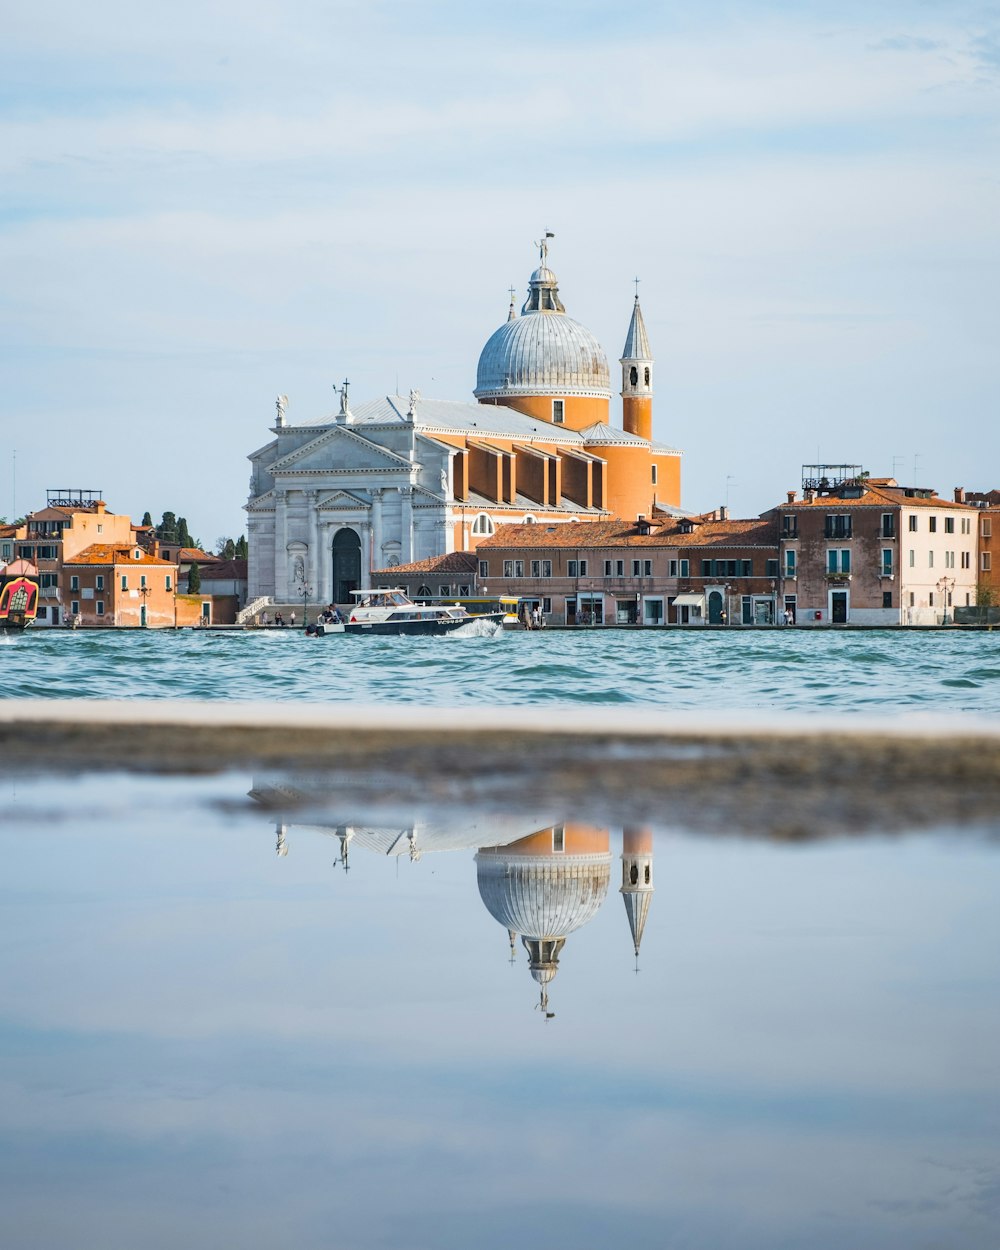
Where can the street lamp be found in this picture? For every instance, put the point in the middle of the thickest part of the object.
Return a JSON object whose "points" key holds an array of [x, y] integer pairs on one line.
{"points": [[305, 604], [943, 588]]}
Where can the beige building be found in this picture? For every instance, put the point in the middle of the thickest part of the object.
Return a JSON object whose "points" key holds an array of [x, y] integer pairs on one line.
{"points": [[858, 550]]}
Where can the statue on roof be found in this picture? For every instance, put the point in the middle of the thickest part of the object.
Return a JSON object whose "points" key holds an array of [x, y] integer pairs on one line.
{"points": [[543, 245]]}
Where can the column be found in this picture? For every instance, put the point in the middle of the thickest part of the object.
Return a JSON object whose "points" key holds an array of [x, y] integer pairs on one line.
{"points": [[406, 537], [325, 590], [313, 563], [378, 536], [365, 533], [281, 545]]}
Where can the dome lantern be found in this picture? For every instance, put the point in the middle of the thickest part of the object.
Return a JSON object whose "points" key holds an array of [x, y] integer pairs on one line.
{"points": [[543, 352]]}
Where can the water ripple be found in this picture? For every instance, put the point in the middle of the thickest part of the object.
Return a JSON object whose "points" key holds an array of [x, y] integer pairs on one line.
{"points": [[781, 670]]}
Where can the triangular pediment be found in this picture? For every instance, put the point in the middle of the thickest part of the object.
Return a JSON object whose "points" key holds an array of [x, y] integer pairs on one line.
{"points": [[337, 448], [343, 500], [423, 497]]}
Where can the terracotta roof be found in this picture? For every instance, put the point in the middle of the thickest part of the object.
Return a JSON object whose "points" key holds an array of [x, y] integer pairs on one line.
{"points": [[461, 562], [191, 555], [752, 532], [876, 494], [225, 570], [57, 511], [115, 553], [748, 532], [567, 534], [8, 531]]}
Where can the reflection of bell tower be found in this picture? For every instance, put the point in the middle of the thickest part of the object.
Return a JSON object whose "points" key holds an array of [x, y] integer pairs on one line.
{"points": [[543, 887], [637, 879], [637, 378]]}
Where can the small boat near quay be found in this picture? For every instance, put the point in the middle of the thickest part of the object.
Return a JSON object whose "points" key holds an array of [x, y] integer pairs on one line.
{"points": [[391, 612], [19, 592]]}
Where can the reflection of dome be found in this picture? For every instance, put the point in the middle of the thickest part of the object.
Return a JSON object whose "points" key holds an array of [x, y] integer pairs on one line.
{"points": [[542, 352], [542, 897]]}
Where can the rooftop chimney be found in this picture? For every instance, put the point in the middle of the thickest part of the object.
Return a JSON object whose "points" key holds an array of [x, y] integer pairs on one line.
{"points": [[723, 514], [791, 496], [960, 494]]}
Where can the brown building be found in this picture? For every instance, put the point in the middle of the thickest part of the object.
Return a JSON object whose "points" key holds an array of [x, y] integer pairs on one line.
{"points": [[224, 582], [988, 524], [703, 570], [858, 550]]}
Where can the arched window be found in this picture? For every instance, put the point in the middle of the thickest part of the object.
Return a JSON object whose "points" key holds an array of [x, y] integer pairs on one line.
{"points": [[647, 375], [423, 592], [529, 519], [633, 376], [482, 526]]}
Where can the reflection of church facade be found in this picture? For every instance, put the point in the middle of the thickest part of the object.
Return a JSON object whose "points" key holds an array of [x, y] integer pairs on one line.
{"points": [[541, 886], [399, 480]]}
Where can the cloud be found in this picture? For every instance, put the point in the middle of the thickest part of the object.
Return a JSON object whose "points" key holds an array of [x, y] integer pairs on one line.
{"points": [[263, 199]]}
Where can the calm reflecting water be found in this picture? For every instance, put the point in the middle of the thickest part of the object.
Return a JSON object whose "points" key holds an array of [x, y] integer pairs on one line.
{"points": [[793, 670], [214, 1034]]}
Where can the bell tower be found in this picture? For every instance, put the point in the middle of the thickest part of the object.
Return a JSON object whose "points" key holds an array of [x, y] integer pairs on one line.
{"points": [[637, 377], [637, 878]]}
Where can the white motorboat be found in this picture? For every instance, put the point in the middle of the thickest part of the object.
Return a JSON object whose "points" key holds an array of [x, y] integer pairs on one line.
{"points": [[391, 612]]}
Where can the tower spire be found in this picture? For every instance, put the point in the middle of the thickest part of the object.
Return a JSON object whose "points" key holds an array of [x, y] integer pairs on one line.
{"points": [[637, 880], [637, 376]]}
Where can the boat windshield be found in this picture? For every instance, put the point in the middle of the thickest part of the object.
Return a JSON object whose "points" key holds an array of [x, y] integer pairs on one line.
{"points": [[381, 599]]}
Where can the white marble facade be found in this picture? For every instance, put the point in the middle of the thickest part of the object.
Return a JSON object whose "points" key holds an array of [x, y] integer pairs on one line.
{"points": [[383, 487]]}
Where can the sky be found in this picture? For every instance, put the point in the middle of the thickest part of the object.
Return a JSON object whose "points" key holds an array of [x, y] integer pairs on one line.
{"points": [[205, 205]]}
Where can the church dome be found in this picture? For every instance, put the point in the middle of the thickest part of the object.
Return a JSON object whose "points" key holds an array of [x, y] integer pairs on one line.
{"points": [[542, 352]]}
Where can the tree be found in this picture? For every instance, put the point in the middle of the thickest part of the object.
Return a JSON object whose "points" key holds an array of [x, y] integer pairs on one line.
{"points": [[985, 595], [241, 547], [146, 519], [194, 580], [166, 531], [183, 533]]}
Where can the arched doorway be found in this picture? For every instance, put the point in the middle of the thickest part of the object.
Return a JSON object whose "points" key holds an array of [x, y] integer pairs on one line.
{"points": [[715, 607], [346, 565]]}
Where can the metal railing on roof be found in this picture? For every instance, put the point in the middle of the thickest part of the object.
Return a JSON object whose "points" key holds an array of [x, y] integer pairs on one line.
{"points": [[73, 497]]}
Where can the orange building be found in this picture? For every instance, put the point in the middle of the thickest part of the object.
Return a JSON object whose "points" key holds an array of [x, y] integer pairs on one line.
{"points": [[551, 368], [108, 585], [401, 480], [92, 567]]}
